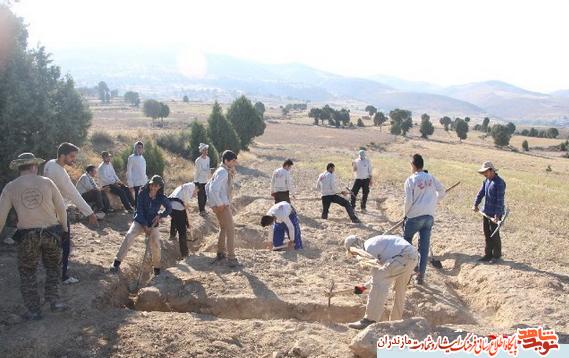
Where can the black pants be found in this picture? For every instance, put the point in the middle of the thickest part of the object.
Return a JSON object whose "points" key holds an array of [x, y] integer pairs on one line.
{"points": [[282, 196], [99, 198], [179, 223], [124, 194], [329, 199], [363, 184], [202, 197], [136, 191], [493, 244], [65, 250]]}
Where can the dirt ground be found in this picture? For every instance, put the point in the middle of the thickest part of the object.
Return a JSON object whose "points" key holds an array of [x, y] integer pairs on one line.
{"points": [[275, 304]]}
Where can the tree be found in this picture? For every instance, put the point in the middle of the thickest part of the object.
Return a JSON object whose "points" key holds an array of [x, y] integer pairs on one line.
{"points": [[260, 108], [132, 97], [221, 132], [114, 93], [467, 119], [552, 133], [371, 110], [511, 127], [198, 135], [164, 112], [38, 107], [525, 145], [246, 121], [426, 128], [185, 99], [533, 132], [379, 119], [461, 128], [485, 124], [501, 135], [315, 113], [401, 121], [152, 108], [341, 116], [525, 133], [360, 123], [446, 122], [104, 92]]}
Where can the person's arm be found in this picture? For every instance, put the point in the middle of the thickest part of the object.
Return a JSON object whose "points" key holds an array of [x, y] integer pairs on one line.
{"points": [[500, 194], [480, 195], [69, 192], [167, 207], [216, 185], [319, 183], [197, 169], [5, 206], [333, 187], [141, 209], [441, 191], [59, 205], [114, 175], [408, 195], [129, 174]]}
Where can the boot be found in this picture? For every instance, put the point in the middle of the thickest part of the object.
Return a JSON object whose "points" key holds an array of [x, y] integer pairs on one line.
{"points": [[361, 324]]}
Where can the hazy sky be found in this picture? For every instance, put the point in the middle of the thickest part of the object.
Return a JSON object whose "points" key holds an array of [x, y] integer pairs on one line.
{"points": [[440, 41]]}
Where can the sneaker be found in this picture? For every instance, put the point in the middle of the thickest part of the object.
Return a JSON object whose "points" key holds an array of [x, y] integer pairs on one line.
{"points": [[58, 307], [233, 262], [419, 280], [115, 267], [364, 210], [110, 210], [100, 215], [32, 316], [203, 213], [9, 241], [494, 260], [361, 324], [172, 237], [485, 258], [70, 280]]}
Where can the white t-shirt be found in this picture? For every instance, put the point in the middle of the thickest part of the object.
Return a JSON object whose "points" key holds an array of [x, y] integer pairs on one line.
{"points": [[281, 181], [422, 193], [384, 247], [362, 168], [217, 188], [201, 173], [63, 182], [136, 171], [184, 192], [326, 184], [107, 174]]}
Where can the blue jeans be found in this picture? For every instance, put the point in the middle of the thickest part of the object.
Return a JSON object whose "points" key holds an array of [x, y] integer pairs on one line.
{"points": [[422, 225]]}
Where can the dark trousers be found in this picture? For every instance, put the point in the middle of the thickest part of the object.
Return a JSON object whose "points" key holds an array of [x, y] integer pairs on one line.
{"points": [[202, 196], [180, 224], [281, 196], [493, 246], [65, 250], [124, 194], [99, 198], [136, 191], [360, 184], [337, 199]]}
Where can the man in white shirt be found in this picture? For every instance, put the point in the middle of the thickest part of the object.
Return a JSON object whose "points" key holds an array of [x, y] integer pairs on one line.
{"points": [[55, 170], [201, 175], [422, 193], [363, 179], [394, 259], [326, 184], [281, 182], [90, 191], [180, 200], [136, 170], [110, 180], [284, 219]]}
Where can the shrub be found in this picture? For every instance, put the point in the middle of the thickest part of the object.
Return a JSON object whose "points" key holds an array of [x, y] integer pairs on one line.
{"points": [[101, 139], [155, 162], [176, 143], [360, 123], [525, 145], [501, 135]]}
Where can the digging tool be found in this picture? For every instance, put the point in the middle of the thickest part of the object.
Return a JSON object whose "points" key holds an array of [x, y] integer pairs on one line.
{"points": [[499, 222], [141, 272]]}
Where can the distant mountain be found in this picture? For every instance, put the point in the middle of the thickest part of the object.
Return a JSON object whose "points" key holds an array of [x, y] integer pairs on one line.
{"points": [[561, 93], [406, 85]]}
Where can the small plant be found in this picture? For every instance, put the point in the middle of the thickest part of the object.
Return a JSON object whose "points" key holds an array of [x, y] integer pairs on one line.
{"points": [[177, 143], [548, 169], [102, 139], [525, 145]]}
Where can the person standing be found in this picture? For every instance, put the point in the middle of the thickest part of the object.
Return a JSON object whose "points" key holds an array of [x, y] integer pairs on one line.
{"points": [[493, 191], [90, 191], [281, 183], [363, 179], [397, 259], [219, 195], [110, 180], [136, 170], [55, 170], [326, 184], [201, 175], [146, 220], [422, 193], [180, 201], [285, 221], [42, 221]]}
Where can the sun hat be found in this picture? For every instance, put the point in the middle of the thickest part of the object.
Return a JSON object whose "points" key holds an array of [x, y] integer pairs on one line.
{"points": [[156, 179], [487, 166], [25, 159], [203, 147]]}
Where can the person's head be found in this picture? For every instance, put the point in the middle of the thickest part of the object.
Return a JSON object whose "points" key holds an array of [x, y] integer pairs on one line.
{"points": [[203, 149], [91, 170], [362, 154], [417, 163], [488, 170], [330, 167], [155, 185], [229, 158], [267, 220], [352, 241], [26, 163], [67, 153], [138, 148], [107, 157], [288, 164]]}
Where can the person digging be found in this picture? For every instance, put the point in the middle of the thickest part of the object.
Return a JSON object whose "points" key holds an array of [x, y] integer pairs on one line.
{"points": [[326, 184], [284, 220], [146, 220], [180, 200], [393, 260]]}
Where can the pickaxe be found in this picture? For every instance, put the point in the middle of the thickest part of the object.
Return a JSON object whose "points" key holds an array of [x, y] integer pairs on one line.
{"points": [[499, 222]]}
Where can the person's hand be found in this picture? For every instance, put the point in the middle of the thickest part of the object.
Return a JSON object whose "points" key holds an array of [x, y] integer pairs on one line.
{"points": [[475, 209], [131, 191], [370, 182], [156, 221], [93, 219], [496, 219], [273, 195], [106, 189], [218, 209]]}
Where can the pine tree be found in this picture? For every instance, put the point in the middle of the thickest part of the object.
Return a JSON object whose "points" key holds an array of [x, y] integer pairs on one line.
{"points": [[246, 121], [221, 132]]}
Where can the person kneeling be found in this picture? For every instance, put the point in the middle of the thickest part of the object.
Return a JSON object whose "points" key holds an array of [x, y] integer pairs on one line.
{"points": [[146, 220], [395, 259], [284, 220]]}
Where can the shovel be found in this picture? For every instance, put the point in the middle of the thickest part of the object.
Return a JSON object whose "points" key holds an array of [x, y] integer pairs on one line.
{"points": [[141, 272]]}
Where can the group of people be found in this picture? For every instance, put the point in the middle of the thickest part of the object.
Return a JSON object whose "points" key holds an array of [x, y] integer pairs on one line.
{"points": [[43, 228]]}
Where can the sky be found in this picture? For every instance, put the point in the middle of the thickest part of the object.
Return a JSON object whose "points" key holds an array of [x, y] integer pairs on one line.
{"points": [[445, 42]]}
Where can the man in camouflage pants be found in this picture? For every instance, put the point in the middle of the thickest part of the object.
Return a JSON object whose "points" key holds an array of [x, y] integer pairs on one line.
{"points": [[42, 221]]}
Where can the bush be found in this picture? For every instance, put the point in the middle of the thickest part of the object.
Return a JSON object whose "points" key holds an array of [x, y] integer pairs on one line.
{"points": [[427, 127], [525, 145], [155, 162], [101, 139], [176, 143], [360, 123], [501, 135]]}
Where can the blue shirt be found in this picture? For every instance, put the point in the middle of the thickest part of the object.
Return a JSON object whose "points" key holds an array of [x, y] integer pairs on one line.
{"points": [[493, 190], [147, 208]]}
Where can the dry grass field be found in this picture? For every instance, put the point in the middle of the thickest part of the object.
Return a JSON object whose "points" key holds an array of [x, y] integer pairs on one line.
{"points": [[275, 306]]}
